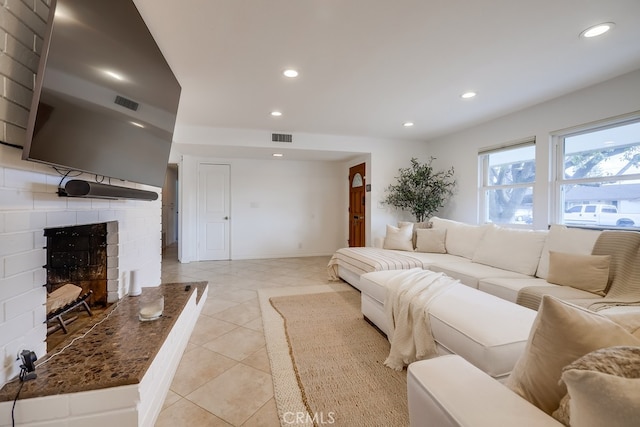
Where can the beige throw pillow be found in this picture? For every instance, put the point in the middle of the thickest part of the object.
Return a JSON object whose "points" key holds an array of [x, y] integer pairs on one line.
{"points": [[566, 239], [399, 238], [587, 272], [561, 333], [416, 226], [431, 240], [619, 361]]}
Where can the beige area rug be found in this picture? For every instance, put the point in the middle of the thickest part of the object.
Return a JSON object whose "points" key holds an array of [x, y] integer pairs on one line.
{"points": [[327, 361]]}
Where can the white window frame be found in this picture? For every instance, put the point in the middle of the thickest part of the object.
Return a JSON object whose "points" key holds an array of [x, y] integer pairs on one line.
{"points": [[558, 179], [483, 175]]}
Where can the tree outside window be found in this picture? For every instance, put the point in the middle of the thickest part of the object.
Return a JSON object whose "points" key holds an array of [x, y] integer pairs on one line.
{"points": [[599, 174], [507, 184]]}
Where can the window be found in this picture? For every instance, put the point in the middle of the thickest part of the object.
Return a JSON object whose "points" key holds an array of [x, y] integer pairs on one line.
{"points": [[506, 191], [598, 176]]}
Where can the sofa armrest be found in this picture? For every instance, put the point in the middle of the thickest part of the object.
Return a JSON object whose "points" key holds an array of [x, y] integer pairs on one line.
{"points": [[449, 391]]}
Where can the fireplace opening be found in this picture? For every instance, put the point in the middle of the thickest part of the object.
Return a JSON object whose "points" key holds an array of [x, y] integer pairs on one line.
{"points": [[78, 255], [81, 274]]}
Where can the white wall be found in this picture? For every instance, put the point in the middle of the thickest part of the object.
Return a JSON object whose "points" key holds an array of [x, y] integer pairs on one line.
{"points": [[619, 96], [170, 207], [279, 208], [285, 207], [302, 203], [28, 202]]}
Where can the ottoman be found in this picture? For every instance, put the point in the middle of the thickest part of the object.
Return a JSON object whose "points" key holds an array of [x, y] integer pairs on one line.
{"points": [[489, 332]]}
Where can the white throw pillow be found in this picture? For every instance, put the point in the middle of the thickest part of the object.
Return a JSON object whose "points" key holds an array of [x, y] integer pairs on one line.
{"points": [[399, 238], [431, 240], [511, 249], [569, 240], [461, 239]]}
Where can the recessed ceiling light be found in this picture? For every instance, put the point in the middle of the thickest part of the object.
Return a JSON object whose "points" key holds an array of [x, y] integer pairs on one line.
{"points": [[407, 124], [276, 113], [278, 155], [290, 73], [63, 14], [114, 75], [597, 30], [468, 95]]}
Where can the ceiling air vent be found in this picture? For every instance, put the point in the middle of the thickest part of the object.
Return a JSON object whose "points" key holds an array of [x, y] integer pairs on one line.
{"points": [[281, 137], [127, 103]]}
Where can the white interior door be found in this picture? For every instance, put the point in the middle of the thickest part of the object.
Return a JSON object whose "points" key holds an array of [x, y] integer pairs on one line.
{"points": [[213, 212]]}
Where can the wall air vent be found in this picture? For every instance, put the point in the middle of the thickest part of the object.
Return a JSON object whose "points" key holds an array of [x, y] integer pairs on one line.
{"points": [[127, 103], [281, 137]]}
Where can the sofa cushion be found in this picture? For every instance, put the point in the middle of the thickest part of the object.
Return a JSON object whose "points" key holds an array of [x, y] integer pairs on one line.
{"points": [[587, 272], [430, 258], [470, 273], [489, 332], [374, 284], [627, 316], [565, 239], [507, 287], [462, 239], [561, 333], [531, 297], [600, 383], [431, 240], [399, 238], [511, 249]]}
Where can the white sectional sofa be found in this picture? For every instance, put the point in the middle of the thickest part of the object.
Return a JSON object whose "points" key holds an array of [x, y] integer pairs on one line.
{"points": [[497, 260], [484, 326]]}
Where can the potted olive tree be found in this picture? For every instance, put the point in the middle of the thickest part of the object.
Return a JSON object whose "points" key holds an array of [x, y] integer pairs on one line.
{"points": [[420, 189]]}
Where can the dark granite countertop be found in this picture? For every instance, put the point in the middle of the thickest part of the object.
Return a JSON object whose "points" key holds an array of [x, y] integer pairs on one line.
{"points": [[116, 352]]}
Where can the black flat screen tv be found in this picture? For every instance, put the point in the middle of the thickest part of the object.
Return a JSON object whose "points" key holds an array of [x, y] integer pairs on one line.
{"points": [[105, 99]]}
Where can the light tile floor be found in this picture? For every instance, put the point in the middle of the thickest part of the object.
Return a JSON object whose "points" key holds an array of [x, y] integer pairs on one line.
{"points": [[224, 378]]}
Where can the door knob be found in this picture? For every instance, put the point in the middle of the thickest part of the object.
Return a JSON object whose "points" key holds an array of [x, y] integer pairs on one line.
{"points": [[226, 217]]}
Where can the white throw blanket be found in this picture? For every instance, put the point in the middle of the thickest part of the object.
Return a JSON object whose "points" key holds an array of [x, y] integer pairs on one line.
{"points": [[409, 296]]}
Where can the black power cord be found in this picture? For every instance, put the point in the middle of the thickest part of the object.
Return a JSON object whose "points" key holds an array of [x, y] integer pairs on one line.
{"points": [[8, 144], [27, 372], [13, 420]]}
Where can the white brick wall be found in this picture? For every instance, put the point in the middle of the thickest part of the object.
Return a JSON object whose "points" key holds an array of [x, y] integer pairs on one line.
{"points": [[28, 200]]}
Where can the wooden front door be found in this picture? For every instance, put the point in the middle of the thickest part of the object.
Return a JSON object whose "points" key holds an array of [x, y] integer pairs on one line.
{"points": [[357, 188]]}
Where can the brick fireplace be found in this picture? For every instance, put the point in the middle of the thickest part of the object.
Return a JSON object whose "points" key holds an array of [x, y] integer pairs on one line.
{"points": [[29, 204]]}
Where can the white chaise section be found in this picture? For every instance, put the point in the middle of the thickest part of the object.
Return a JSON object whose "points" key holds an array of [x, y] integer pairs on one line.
{"points": [[486, 330]]}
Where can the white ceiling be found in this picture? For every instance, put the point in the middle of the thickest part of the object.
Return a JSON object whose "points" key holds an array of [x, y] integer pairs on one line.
{"points": [[367, 66]]}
